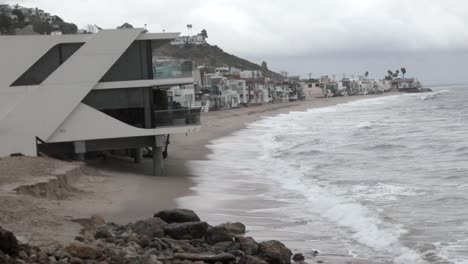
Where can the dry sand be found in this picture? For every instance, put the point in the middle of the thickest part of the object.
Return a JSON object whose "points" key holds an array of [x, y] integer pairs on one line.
{"points": [[116, 189]]}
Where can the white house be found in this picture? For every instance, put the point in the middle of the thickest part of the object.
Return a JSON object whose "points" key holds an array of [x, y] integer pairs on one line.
{"points": [[75, 94], [240, 87], [182, 40], [246, 74]]}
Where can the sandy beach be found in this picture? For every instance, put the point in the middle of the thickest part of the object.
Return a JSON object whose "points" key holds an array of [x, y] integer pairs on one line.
{"points": [[117, 189]]}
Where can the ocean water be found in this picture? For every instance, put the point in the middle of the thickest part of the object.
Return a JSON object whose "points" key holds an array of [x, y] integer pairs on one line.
{"points": [[380, 180]]}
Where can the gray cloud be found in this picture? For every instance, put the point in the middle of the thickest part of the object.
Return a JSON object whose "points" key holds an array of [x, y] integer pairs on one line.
{"points": [[333, 32]]}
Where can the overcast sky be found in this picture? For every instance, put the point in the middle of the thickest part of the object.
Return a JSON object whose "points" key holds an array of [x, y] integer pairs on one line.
{"points": [[428, 37]]}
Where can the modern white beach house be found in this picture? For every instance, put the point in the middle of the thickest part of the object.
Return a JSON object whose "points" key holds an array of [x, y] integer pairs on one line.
{"points": [[77, 94]]}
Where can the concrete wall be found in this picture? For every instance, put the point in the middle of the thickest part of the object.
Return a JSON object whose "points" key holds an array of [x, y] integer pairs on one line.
{"points": [[47, 64], [134, 64]]}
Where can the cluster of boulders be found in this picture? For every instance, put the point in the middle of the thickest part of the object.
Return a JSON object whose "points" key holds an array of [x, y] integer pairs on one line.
{"points": [[171, 236]]}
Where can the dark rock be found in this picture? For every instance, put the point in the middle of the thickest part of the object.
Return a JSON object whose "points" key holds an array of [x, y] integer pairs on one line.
{"points": [[223, 257], [274, 252], [80, 239], [251, 260], [190, 230], [234, 228], [248, 245], [218, 234], [152, 227], [236, 253], [5, 259], [224, 232], [144, 240], [178, 216], [298, 257], [8, 243], [74, 260], [102, 232], [225, 246]]}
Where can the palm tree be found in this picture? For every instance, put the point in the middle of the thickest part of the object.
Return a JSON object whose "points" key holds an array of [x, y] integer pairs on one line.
{"points": [[366, 74], [397, 72], [403, 71], [189, 28]]}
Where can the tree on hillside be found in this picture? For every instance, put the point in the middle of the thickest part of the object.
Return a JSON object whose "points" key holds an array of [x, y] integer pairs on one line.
{"points": [[403, 71], [58, 19], [204, 34], [125, 25], [5, 24], [264, 68], [68, 28], [19, 14]]}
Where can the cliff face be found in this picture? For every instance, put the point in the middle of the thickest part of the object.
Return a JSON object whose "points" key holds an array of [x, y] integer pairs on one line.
{"points": [[211, 56]]}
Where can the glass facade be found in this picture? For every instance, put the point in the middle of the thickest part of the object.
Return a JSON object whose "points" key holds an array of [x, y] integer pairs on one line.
{"points": [[167, 68]]}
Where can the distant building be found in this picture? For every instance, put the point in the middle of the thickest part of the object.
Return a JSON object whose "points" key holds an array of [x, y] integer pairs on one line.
{"points": [[247, 74], [56, 32], [5, 9], [13, 19], [196, 40]]}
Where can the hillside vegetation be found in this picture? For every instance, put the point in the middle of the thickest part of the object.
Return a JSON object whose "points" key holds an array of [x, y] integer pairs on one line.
{"points": [[212, 57]]}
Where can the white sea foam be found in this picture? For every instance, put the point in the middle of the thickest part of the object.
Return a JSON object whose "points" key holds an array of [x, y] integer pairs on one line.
{"points": [[383, 191], [454, 251], [367, 226], [313, 164], [433, 95]]}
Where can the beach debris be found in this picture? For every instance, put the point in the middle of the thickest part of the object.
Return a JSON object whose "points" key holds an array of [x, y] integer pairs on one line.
{"points": [[152, 241]]}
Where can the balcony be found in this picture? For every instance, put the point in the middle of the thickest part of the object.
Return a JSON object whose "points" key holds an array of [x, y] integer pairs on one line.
{"points": [[165, 68], [177, 117]]}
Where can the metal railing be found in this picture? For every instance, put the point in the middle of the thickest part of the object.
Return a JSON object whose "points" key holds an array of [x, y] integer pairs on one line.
{"points": [[177, 117]]}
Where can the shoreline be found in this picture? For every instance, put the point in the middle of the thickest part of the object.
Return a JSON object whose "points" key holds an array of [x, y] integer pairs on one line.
{"points": [[194, 146], [121, 191]]}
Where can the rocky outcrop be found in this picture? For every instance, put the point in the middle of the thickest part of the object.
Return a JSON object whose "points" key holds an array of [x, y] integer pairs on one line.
{"points": [[82, 251], [8, 242], [177, 216], [189, 230], [152, 227], [224, 232], [274, 252], [153, 241]]}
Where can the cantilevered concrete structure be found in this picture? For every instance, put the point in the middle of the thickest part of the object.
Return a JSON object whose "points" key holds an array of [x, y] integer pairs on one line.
{"points": [[74, 94]]}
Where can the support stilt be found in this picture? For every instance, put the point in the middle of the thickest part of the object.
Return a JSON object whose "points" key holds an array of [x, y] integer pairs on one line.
{"points": [[137, 155], [158, 166]]}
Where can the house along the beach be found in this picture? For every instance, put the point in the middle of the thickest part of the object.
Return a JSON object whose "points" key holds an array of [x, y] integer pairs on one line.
{"points": [[88, 93]]}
